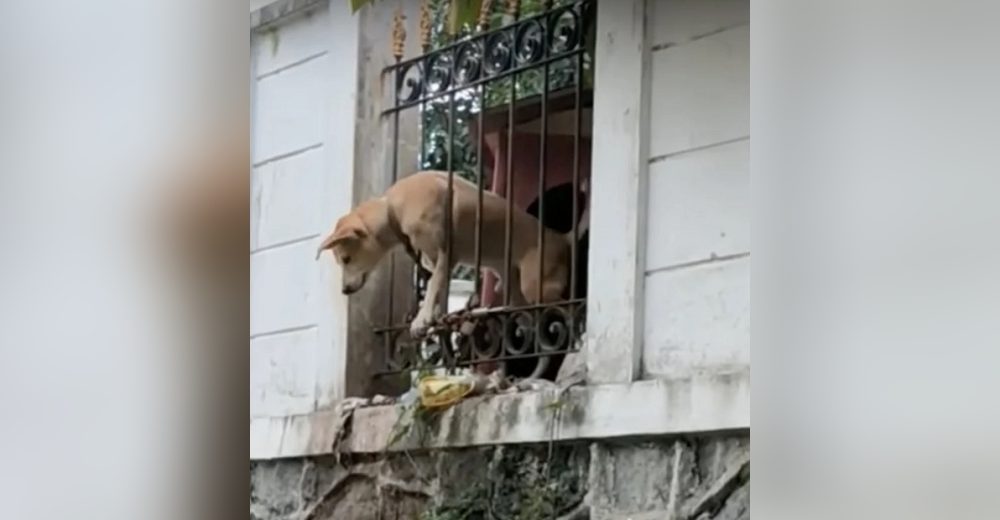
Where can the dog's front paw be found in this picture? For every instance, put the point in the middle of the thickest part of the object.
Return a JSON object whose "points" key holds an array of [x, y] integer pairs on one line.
{"points": [[419, 326]]}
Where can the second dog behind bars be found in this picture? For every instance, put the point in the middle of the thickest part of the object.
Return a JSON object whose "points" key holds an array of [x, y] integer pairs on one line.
{"points": [[412, 213]]}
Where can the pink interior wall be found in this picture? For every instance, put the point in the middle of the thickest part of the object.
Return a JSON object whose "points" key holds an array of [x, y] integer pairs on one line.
{"points": [[525, 171]]}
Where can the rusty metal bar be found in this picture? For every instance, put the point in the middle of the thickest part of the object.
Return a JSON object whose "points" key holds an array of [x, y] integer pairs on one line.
{"points": [[480, 182], [509, 195], [417, 273], [449, 204], [426, 26], [509, 188], [395, 174], [474, 361], [543, 153], [575, 237]]}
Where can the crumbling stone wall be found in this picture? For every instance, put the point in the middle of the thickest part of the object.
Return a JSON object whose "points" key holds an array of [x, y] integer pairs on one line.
{"points": [[697, 479], [684, 479]]}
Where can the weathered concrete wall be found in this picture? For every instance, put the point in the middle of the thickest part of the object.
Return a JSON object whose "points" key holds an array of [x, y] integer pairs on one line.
{"points": [[679, 479], [509, 481], [302, 72], [700, 479]]}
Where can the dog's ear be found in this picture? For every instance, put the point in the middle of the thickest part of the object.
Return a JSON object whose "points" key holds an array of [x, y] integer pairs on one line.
{"points": [[342, 234]]}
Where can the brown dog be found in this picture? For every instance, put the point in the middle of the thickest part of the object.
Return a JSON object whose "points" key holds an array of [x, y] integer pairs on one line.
{"points": [[412, 213]]}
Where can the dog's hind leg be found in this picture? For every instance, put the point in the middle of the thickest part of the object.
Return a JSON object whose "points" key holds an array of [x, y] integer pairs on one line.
{"points": [[418, 328], [517, 298], [501, 287]]}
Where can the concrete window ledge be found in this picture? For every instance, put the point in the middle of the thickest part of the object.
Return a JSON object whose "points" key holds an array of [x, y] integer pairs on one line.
{"points": [[700, 404], [272, 12]]}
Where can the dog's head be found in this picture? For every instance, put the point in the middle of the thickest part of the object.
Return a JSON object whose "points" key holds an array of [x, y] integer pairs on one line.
{"points": [[355, 249]]}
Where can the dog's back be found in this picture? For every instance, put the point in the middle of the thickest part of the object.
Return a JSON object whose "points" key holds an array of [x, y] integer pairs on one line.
{"points": [[419, 201]]}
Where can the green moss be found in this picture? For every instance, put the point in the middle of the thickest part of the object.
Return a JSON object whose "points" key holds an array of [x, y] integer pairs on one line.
{"points": [[524, 483]]}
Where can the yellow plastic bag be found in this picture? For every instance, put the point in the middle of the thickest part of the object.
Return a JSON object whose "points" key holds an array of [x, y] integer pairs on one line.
{"points": [[442, 391]]}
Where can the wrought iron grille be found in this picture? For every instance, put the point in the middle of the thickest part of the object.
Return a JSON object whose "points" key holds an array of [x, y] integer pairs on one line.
{"points": [[550, 48]]}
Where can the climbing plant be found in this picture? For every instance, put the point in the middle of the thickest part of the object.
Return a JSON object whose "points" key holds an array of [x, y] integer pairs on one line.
{"points": [[458, 13]]}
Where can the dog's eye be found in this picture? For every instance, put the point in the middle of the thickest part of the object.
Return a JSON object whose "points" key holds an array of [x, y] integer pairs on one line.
{"points": [[346, 260]]}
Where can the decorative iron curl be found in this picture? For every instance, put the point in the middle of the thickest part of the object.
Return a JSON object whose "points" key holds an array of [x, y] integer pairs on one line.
{"points": [[564, 30], [499, 53], [468, 62], [489, 338], [519, 333], [439, 69], [553, 331], [409, 87], [530, 42]]}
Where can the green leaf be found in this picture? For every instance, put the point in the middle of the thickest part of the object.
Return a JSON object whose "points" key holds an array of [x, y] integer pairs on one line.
{"points": [[461, 13], [358, 4]]}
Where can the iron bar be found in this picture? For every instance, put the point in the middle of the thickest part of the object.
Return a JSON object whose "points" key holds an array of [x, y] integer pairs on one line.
{"points": [[395, 174], [575, 237], [543, 153], [509, 196], [509, 180], [417, 268], [480, 182], [449, 205], [480, 361]]}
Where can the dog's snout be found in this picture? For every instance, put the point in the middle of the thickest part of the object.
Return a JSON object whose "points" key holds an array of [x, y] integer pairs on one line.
{"points": [[354, 286]]}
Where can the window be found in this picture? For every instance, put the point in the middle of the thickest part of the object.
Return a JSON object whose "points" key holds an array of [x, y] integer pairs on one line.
{"points": [[507, 109]]}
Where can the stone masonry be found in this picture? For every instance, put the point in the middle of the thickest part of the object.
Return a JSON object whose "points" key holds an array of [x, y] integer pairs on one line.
{"points": [[706, 478]]}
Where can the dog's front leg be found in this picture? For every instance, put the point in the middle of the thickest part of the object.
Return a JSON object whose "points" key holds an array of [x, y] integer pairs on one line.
{"points": [[420, 324]]}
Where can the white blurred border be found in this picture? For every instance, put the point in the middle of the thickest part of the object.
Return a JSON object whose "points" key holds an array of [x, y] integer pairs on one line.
{"points": [[876, 278]]}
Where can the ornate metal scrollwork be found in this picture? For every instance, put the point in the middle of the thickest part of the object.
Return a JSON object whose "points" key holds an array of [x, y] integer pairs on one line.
{"points": [[488, 338], [438, 76], [519, 333], [520, 45], [553, 330], [499, 53], [410, 82], [530, 42], [468, 62], [564, 30], [504, 334]]}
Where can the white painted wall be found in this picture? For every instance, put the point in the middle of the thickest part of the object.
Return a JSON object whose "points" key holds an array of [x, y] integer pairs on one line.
{"points": [[697, 276], [304, 81], [257, 4]]}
